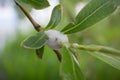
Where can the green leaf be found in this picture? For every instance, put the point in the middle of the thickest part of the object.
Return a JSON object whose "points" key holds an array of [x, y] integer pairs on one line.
{"points": [[70, 69], [39, 52], [106, 54], [37, 4], [55, 17], [109, 59], [36, 41], [92, 13]]}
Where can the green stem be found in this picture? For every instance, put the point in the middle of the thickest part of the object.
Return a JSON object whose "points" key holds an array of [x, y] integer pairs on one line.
{"points": [[96, 48], [35, 24]]}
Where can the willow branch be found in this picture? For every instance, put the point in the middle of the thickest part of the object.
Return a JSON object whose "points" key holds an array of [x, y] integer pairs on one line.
{"points": [[35, 24], [96, 48]]}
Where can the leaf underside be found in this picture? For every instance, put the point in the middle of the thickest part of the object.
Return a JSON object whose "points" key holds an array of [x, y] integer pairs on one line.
{"points": [[92, 13], [35, 42], [39, 52]]}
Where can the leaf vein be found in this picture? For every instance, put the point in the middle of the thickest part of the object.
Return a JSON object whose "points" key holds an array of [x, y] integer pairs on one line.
{"points": [[88, 16]]}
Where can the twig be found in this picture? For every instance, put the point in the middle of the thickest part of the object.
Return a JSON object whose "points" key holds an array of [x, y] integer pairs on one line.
{"points": [[35, 24], [96, 48]]}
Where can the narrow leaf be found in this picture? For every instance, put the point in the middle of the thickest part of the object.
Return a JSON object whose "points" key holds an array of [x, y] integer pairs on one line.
{"points": [[36, 41], [109, 59], [92, 13], [37, 4], [69, 69], [39, 52], [106, 54], [55, 17]]}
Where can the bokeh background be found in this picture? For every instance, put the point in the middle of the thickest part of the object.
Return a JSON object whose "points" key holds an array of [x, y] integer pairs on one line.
{"points": [[17, 63]]}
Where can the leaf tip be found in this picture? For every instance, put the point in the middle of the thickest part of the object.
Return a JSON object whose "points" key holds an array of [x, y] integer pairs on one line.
{"points": [[23, 45]]}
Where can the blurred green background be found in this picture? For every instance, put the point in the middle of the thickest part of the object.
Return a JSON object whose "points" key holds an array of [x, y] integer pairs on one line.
{"points": [[17, 63]]}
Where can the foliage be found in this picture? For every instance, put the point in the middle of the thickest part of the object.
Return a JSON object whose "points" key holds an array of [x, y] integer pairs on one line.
{"points": [[72, 72], [110, 59], [22, 64], [35, 42], [37, 4], [93, 12], [55, 17]]}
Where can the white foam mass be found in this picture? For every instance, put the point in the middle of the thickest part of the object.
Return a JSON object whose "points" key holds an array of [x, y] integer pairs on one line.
{"points": [[56, 38]]}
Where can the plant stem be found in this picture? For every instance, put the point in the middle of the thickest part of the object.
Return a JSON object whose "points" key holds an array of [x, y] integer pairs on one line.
{"points": [[35, 24], [96, 48]]}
